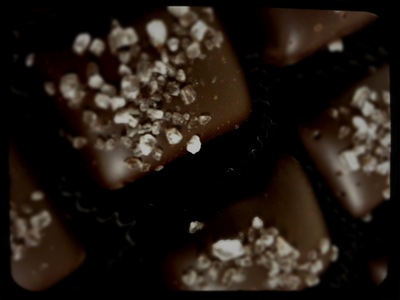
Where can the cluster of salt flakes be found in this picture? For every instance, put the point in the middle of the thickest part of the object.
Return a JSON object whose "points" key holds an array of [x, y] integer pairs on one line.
{"points": [[147, 82], [26, 229], [370, 134], [228, 260]]}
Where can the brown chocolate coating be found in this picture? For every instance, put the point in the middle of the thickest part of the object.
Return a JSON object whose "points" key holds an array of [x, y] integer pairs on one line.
{"points": [[286, 203], [216, 77], [39, 259], [359, 191], [378, 269], [293, 34]]}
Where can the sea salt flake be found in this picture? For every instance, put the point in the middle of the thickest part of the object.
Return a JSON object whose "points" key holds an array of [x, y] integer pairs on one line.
{"points": [[360, 96], [193, 50], [367, 109], [226, 250], [79, 142], [257, 223], [343, 131], [174, 136], [188, 94], [122, 38], [147, 143], [360, 124], [30, 60], [130, 86], [204, 119], [49, 88], [173, 44], [97, 47], [69, 86], [198, 30], [124, 70], [194, 144], [283, 247], [386, 193], [180, 75], [178, 11], [173, 88], [157, 32], [95, 81], [383, 168], [144, 71], [89, 117], [117, 103], [189, 277], [81, 43], [311, 280], [157, 153], [336, 46], [109, 90], [102, 101], [324, 245], [160, 67], [109, 144], [195, 226], [334, 255], [41, 220], [203, 262], [349, 159], [37, 196], [133, 163], [155, 114], [188, 19], [128, 116]]}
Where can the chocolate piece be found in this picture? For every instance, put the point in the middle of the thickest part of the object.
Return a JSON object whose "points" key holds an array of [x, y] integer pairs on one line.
{"points": [[44, 251], [350, 144], [293, 34], [378, 269], [148, 92], [274, 240]]}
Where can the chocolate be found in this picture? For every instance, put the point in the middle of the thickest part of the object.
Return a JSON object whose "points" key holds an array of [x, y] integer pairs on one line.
{"points": [[275, 239], [293, 34], [43, 249], [378, 269], [350, 144], [147, 92]]}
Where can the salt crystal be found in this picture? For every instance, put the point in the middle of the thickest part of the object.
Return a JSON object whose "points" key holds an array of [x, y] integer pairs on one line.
{"points": [[194, 144], [157, 32], [81, 43], [226, 250]]}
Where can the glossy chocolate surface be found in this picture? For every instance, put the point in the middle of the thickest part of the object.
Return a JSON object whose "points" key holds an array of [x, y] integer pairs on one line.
{"points": [[160, 88], [44, 251], [378, 269], [287, 204], [293, 34], [350, 146]]}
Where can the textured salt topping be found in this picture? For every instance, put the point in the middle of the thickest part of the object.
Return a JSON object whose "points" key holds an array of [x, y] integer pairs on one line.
{"points": [[194, 144], [178, 11], [26, 230], [257, 223], [154, 69], [369, 133], [173, 135], [157, 32], [227, 249], [336, 46], [81, 43], [95, 81], [227, 262], [195, 226], [188, 94], [37, 196], [79, 142], [30, 60], [97, 47], [121, 37]]}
